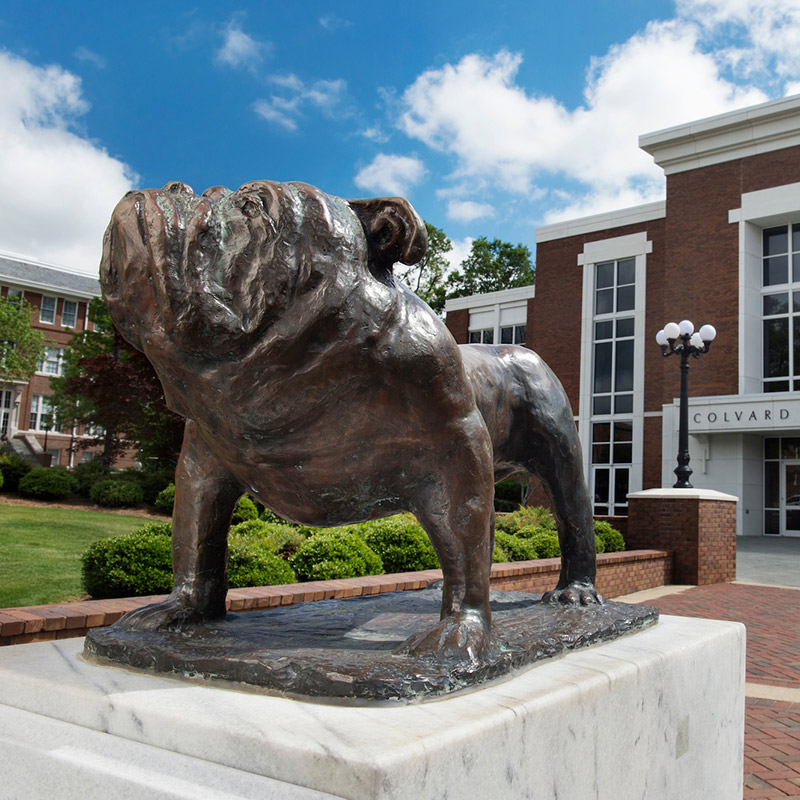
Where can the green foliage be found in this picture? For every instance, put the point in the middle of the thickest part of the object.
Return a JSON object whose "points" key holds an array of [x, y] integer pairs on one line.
{"points": [[252, 562], [525, 517], [507, 495], [21, 346], [88, 473], [14, 467], [499, 556], [1, 479], [47, 483], [490, 267], [426, 278], [543, 540], [599, 544], [336, 553], [139, 563], [245, 509], [401, 543], [165, 499], [117, 493], [271, 516], [610, 536], [283, 540], [515, 547]]}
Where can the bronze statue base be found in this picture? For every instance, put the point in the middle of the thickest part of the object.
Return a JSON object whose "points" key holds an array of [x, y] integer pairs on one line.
{"points": [[343, 649]]}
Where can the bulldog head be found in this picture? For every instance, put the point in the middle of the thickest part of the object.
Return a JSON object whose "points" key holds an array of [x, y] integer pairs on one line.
{"points": [[208, 273]]}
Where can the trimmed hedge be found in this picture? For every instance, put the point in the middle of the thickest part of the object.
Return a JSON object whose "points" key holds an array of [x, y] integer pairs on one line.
{"points": [[116, 493], [87, 473], [516, 548], [245, 510], [401, 543], [251, 562], [47, 483], [165, 499], [335, 553], [611, 537], [14, 467], [283, 540]]}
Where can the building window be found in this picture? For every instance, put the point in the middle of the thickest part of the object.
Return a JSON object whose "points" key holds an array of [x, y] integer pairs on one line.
{"points": [[512, 334], [612, 384], [69, 314], [53, 361], [485, 336], [47, 310], [14, 297], [781, 309], [6, 404], [42, 414]]}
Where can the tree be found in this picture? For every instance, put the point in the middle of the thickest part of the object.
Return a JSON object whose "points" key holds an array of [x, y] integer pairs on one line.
{"points": [[21, 346], [107, 385], [426, 278], [492, 266]]}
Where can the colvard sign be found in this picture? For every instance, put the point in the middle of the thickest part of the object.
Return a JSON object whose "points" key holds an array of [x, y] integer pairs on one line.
{"points": [[765, 412]]}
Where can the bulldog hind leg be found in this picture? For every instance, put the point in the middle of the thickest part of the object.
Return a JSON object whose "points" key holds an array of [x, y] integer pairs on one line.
{"points": [[205, 496]]}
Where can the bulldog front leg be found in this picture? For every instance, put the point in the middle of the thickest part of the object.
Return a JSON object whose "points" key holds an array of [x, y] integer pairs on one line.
{"points": [[205, 496]]}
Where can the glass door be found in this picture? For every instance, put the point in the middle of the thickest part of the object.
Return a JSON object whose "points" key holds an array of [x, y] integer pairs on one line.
{"points": [[791, 496]]}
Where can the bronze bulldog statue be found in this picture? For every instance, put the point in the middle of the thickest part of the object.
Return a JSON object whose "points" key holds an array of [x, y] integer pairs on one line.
{"points": [[312, 380]]}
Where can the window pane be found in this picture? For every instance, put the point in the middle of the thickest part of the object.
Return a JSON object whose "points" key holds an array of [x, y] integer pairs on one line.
{"points": [[623, 453], [796, 267], [790, 447], [69, 314], [488, 336], [601, 454], [625, 326], [605, 301], [605, 275], [776, 304], [776, 240], [605, 330], [795, 237], [776, 270], [602, 367], [626, 271], [772, 484], [623, 431], [623, 404], [601, 485], [47, 310], [772, 522], [626, 297], [796, 344], [776, 386], [520, 334], [621, 486], [15, 297], [776, 348], [474, 337], [623, 370], [602, 404], [506, 336], [601, 432], [771, 447]]}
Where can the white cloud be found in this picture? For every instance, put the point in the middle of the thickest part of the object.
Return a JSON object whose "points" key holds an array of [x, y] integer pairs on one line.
{"points": [[374, 134], [60, 187], [287, 109], [461, 249], [85, 54], [498, 132], [333, 23], [390, 174], [468, 210], [238, 48]]}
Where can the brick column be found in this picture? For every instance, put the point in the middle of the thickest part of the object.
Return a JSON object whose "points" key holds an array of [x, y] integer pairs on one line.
{"points": [[697, 525]]}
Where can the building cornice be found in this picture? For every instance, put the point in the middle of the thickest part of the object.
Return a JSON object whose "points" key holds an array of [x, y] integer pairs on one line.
{"points": [[601, 222], [770, 126], [518, 295]]}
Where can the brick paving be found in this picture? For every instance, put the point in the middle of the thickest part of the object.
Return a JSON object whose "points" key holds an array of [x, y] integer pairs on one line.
{"points": [[772, 727]]}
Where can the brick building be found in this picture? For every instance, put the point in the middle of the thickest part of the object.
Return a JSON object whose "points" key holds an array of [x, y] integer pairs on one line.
{"points": [[723, 249], [59, 300]]}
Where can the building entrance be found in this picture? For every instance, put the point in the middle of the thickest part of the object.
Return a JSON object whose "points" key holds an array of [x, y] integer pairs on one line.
{"points": [[790, 495]]}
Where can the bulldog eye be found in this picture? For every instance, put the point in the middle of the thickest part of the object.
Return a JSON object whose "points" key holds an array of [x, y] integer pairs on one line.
{"points": [[251, 209]]}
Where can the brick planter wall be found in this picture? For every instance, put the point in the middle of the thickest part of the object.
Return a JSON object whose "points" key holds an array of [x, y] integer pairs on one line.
{"points": [[698, 526], [617, 573]]}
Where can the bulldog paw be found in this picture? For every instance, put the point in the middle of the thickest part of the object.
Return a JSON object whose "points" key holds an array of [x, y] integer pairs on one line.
{"points": [[168, 614], [460, 638], [574, 594]]}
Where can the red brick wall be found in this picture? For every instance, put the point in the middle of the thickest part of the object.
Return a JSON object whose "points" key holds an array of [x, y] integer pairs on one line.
{"points": [[700, 533], [458, 324]]}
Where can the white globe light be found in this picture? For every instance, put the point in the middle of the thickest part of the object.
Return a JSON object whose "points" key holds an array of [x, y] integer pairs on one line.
{"points": [[672, 330], [661, 339], [697, 341], [708, 333], [686, 327]]}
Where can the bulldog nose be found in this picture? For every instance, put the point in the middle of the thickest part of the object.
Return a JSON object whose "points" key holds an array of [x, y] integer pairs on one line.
{"points": [[177, 187]]}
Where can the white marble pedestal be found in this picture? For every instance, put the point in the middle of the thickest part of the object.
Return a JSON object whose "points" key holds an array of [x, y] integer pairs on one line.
{"points": [[659, 714]]}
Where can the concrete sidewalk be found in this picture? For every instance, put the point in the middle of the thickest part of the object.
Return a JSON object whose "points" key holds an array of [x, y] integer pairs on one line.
{"points": [[773, 560]]}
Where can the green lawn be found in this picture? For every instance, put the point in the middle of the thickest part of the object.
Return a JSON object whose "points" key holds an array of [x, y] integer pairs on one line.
{"points": [[40, 551]]}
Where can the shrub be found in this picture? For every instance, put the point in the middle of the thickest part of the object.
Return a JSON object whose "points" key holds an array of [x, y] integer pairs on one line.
{"points": [[116, 493], [516, 548], [251, 562], [152, 483], [337, 553], [543, 540], [283, 540], [47, 483], [524, 517], [1, 479], [14, 467], [165, 499], [507, 495], [612, 538], [87, 474], [499, 556], [245, 509], [599, 544], [401, 543], [138, 563]]}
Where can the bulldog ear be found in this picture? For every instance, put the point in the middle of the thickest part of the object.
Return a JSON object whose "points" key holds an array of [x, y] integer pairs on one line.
{"points": [[394, 232]]}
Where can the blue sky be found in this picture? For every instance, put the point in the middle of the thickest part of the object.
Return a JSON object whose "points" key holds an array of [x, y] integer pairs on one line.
{"points": [[491, 119]]}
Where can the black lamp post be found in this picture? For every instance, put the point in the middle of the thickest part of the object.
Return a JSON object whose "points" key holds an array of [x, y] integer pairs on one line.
{"points": [[684, 341]]}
